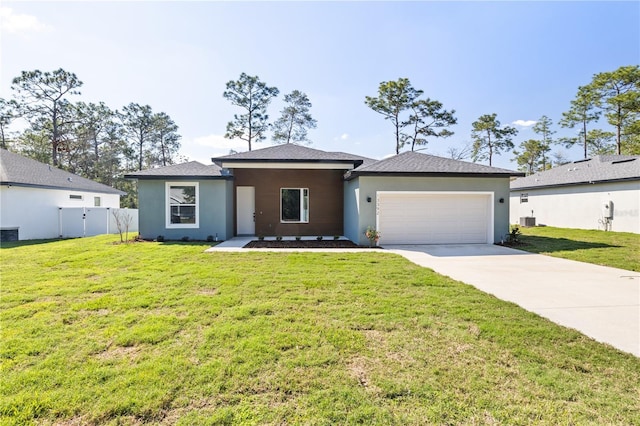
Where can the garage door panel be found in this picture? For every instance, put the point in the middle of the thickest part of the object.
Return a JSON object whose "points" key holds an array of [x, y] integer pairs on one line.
{"points": [[418, 218]]}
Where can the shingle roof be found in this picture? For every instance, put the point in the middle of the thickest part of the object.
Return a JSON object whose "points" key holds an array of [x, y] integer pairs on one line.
{"points": [[291, 153], [191, 169], [22, 171], [416, 163], [602, 168]]}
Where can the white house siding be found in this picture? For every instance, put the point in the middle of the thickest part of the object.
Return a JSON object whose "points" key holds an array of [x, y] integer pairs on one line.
{"points": [[581, 206], [35, 211]]}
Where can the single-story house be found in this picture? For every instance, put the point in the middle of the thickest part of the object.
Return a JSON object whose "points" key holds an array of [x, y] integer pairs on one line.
{"points": [[36, 199], [596, 193], [291, 190]]}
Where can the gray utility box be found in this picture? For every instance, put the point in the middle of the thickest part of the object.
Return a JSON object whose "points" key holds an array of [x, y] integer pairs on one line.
{"points": [[528, 221]]}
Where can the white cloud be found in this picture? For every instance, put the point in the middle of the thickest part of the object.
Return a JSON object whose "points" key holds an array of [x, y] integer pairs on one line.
{"points": [[344, 136], [524, 123], [19, 23]]}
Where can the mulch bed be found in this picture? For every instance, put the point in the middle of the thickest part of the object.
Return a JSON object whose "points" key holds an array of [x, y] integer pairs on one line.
{"points": [[325, 244]]}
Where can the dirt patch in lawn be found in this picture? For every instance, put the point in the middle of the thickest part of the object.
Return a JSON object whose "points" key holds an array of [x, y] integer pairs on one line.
{"points": [[326, 244]]}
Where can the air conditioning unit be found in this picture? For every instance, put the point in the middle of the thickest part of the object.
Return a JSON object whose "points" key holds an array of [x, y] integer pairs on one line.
{"points": [[528, 221]]}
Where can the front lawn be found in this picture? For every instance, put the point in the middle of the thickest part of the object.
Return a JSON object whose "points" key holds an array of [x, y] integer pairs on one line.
{"points": [[99, 333], [615, 249]]}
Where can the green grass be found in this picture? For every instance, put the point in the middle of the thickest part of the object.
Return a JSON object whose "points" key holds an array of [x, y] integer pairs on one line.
{"points": [[99, 333], [615, 249]]}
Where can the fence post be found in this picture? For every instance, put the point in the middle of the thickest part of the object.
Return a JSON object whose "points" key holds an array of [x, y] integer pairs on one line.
{"points": [[60, 222]]}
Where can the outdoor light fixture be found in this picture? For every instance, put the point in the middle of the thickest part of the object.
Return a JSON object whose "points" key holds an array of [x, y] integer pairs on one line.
{"points": [[368, 199], [501, 200]]}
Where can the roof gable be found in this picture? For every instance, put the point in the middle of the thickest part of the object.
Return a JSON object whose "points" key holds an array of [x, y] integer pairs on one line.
{"points": [[22, 171], [191, 169], [417, 163], [601, 168]]}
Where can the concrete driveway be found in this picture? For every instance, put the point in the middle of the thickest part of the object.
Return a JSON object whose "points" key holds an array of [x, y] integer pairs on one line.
{"points": [[601, 302]]}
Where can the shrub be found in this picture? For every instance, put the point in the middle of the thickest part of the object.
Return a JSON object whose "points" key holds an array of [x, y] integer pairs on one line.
{"points": [[209, 238], [319, 238], [514, 233], [372, 235], [160, 238], [185, 238]]}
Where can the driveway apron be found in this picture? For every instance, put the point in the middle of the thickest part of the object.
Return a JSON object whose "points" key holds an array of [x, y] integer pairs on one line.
{"points": [[601, 302]]}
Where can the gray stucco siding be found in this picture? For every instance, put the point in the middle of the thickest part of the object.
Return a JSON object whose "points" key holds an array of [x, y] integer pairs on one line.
{"points": [[368, 186], [213, 207]]}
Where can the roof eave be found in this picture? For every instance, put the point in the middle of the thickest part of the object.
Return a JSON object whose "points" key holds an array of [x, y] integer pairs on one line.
{"points": [[591, 182], [62, 188], [219, 161], [176, 177], [354, 174]]}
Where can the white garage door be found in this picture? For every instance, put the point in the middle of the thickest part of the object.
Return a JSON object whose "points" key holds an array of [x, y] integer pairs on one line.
{"points": [[433, 218]]}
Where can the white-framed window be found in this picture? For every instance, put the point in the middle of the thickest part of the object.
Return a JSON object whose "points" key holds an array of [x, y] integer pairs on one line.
{"points": [[96, 201], [294, 205], [524, 197], [75, 197], [182, 199]]}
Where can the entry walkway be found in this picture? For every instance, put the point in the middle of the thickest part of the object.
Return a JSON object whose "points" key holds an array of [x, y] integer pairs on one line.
{"points": [[601, 302]]}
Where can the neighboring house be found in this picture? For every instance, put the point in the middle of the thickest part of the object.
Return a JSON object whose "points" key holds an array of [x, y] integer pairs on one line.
{"points": [[34, 195], [597, 193], [291, 190]]}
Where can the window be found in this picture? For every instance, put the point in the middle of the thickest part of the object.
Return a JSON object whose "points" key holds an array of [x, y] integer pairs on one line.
{"points": [[182, 204], [75, 197], [294, 205], [524, 198], [96, 201]]}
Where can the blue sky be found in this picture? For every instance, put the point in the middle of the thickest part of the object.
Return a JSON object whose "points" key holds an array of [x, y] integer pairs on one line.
{"points": [[520, 60]]}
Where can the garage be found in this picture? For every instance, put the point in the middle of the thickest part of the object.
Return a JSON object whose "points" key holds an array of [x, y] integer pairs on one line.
{"points": [[406, 217]]}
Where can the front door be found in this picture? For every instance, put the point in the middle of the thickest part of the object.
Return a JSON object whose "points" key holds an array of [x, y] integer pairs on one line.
{"points": [[246, 210]]}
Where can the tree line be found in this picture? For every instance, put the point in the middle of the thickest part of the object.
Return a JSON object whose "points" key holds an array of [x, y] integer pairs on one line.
{"points": [[613, 95], [88, 139]]}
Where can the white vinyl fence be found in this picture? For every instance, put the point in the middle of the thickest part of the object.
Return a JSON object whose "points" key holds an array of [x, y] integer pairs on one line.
{"points": [[88, 221]]}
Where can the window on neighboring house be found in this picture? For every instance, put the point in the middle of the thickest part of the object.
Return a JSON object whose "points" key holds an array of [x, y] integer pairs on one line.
{"points": [[96, 201], [75, 197], [182, 204], [524, 197], [294, 205]]}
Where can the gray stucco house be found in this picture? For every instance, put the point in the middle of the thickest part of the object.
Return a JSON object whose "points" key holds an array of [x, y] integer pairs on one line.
{"points": [[291, 190]]}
